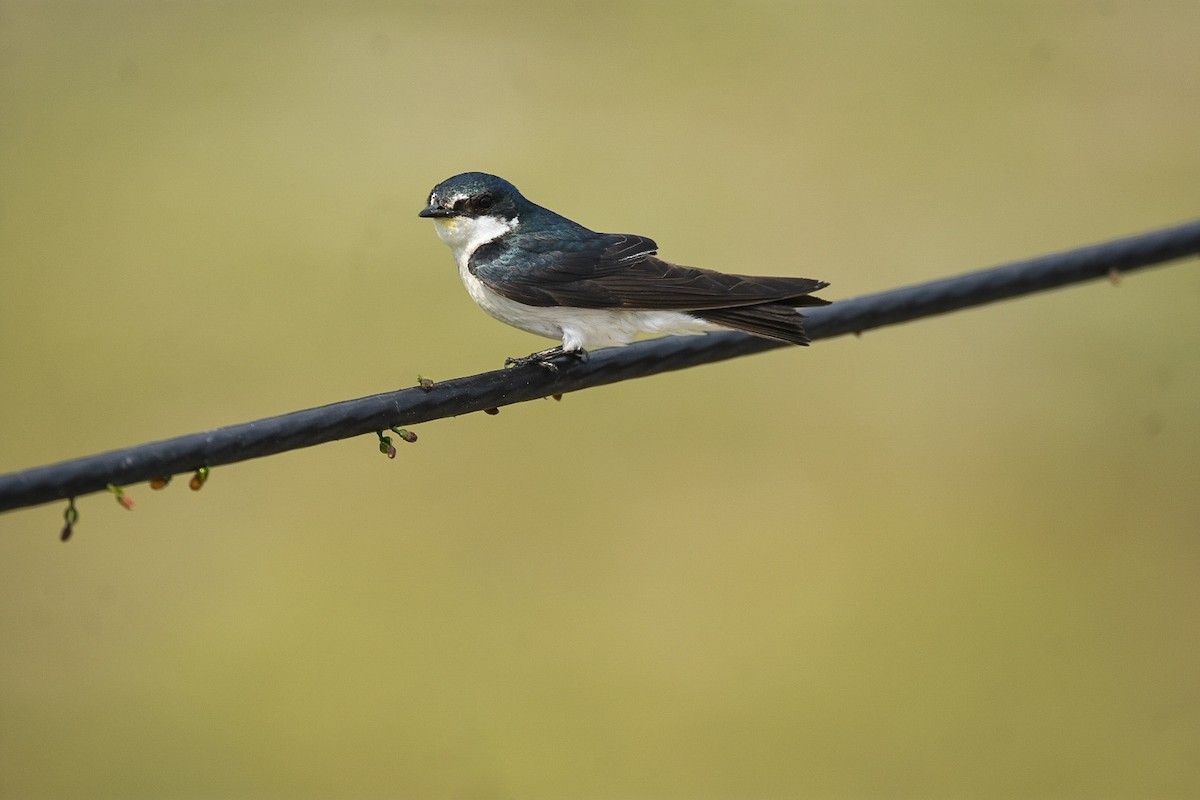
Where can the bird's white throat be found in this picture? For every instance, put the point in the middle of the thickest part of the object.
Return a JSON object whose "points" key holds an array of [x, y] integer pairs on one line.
{"points": [[464, 235]]}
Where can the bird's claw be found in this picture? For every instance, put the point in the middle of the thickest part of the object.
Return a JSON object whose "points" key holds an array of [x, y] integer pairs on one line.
{"points": [[533, 358], [545, 359]]}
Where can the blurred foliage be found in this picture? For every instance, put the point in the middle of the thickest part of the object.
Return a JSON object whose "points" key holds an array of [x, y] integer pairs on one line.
{"points": [[954, 558]]}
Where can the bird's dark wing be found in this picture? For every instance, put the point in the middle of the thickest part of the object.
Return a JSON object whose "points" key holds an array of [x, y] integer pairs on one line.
{"points": [[621, 271]]}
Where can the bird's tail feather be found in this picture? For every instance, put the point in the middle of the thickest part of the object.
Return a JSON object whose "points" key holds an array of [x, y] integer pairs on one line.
{"points": [[770, 320]]}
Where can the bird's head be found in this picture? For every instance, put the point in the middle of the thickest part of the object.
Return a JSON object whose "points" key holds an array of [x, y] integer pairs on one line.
{"points": [[473, 208]]}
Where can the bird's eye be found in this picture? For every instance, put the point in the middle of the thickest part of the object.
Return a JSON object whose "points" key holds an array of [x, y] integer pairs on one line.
{"points": [[484, 201]]}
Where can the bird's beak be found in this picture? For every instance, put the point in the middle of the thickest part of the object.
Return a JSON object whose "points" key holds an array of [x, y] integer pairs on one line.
{"points": [[437, 212]]}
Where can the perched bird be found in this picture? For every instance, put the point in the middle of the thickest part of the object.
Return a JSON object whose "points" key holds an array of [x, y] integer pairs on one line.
{"points": [[543, 273]]}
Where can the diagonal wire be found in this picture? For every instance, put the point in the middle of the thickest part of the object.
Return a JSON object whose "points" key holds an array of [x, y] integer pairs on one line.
{"points": [[504, 387]]}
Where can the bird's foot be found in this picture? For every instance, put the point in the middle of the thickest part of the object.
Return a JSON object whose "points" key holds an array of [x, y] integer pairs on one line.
{"points": [[545, 358]]}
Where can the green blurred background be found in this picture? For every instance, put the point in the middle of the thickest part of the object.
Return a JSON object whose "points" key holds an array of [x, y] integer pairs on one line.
{"points": [[953, 558]]}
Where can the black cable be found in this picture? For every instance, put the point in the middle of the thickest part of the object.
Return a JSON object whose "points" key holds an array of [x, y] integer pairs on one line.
{"points": [[505, 387]]}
